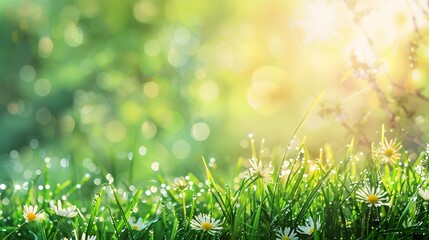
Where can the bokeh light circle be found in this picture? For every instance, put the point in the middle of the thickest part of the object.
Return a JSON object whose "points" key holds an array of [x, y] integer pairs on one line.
{"points": [[267, 93], [73, 35], [148, 129], [181, 149], [200, 131], [45, 47], [151, 89], [145, 11], [115, 131], [27, 73], [42, 87], [43, 116], [152, 48], [209, 91]]}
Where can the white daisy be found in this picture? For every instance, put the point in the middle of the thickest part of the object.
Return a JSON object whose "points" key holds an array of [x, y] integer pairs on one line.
{"points": [[180, 184], [388, 152], [139, 225], [259, 170], [372, 196], [204, 222], [69, 212], [309, 227], [286, 234], [31, 214], [424, 194]]}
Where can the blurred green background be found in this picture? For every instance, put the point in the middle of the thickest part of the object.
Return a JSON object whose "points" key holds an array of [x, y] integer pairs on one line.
{"points": [[166, 82]]}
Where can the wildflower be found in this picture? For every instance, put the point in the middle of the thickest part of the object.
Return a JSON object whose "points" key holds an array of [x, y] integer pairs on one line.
{"points": [[260, 171], [372, 196], [180, 184], [286, 234], [31, 214], [388, 152], [69, 212], [310, 227], [204, 222], [139, 225], [424, 194], [83, 237]]}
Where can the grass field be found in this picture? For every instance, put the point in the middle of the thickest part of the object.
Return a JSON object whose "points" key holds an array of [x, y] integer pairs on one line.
{"points": [[349, 195]]}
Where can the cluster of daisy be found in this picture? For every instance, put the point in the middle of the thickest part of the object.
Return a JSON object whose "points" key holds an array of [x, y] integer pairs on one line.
{"points": [[208, 224], [31, 214], [307, 229], [388, 152], [374, 197]]}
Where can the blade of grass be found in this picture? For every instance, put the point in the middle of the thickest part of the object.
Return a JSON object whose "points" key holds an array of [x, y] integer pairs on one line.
{"points": [[132, 156], [299, 173], [142, 234], [350, 149], [62, 186], [123, 218], [191, 213], [209, 176], [175, 226], [126, 215], [164, 219], [307, 113], [116, 232], [217, 194], [84, 179], [13, 231], [94, 211], [31, 189], [41, 229], [405, 212], [256, 221], [305, 207], [46, 192]]}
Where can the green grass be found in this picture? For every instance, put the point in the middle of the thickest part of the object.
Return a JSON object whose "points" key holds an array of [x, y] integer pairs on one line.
{"points": [[250, 207]]}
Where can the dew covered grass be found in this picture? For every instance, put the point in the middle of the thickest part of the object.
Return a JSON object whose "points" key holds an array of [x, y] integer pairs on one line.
{"points": [[337, 195]]}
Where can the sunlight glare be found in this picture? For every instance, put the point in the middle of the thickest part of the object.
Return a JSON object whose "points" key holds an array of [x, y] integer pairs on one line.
{"points": [[319, 21], [362, 50]]}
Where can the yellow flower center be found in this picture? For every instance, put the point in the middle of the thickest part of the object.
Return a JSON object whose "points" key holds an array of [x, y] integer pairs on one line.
{"points": [[389, 152], [31, 217], [134, 227], [311, 231], [206, 226], [372, 198], [285, 238]]}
